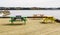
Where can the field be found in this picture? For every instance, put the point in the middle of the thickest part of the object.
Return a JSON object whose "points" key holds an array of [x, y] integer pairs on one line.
{"points": [[32, 27]]}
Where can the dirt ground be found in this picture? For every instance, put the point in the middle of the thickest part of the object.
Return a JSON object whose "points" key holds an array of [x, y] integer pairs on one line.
{"points": [[32, 27]]}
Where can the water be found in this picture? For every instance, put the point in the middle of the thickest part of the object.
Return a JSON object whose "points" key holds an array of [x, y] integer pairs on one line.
{"points": [[55, 13]]}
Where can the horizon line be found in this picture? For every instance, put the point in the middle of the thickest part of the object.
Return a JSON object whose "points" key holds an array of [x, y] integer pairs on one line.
{"points": [[28, 8]]}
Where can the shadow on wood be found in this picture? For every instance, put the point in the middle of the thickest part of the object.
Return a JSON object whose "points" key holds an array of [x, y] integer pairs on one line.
{"points": [[13, 24], [57, 20]]}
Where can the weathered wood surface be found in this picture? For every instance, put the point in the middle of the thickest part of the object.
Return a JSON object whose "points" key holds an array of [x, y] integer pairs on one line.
{"points": [[32, 27]]}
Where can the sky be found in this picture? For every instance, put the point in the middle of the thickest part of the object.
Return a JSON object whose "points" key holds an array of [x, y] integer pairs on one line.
{"points": [[32, 3], [29, 3]]}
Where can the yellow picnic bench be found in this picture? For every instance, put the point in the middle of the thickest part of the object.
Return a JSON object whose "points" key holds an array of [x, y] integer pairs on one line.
{"points": [[49, 19]]}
